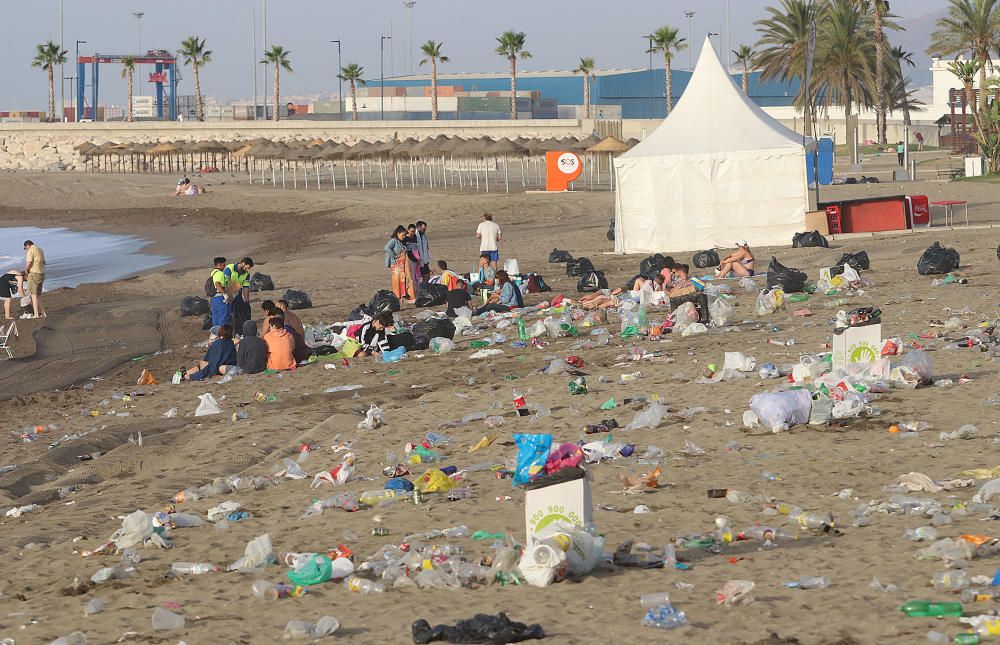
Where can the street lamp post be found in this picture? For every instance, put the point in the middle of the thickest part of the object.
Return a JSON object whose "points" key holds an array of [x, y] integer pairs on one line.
{"points": [[381, 73], [409, 4], [649, 75], [689, 15], [138, 38], [712, 34], [76, 95], [340, 83]]}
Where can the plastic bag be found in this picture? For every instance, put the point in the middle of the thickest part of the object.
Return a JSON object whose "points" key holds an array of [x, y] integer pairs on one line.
{"points": [[207, 406], [779, 411], [919, 362], [592, 281], [722, 312], [479, 629], [579, 267], [434, 481], [384, 300], [686, 313], [583, 549], [540, 564], [858, 260], [374, 418], [297, 299], [511, 266], [136, 528], [789, 280], [432, 295], [261, 282], [304, 629], [556, 256], [937, 259], [194, 306], [651, 417], [435, 328], [812, 238], [258, 551], [532, 453], [769, 301], [694, 329], [739, 362], [442, 345], [706, 259], [988, 491]]}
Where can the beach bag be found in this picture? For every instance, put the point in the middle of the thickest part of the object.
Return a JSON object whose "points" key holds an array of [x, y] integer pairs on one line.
{"points": [[384, 300], [611, 230], [297, 299], [432, 295], [784, 278], [434, 328], [536, 284], [706, 259], [578, 267], [812, 238], [938, 259], [557, 256], [859, 261], [194, 306], [261, 282], [592, 281], [652, 264]]}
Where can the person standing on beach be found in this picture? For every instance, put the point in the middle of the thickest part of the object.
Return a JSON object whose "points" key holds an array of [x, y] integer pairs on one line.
{"points": [[219, 302], [238, 277], [398, 262], [425, 250], [900, 151], [34, 268], [490, 236]]}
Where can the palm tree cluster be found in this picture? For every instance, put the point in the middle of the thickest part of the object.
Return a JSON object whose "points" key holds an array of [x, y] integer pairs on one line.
{"points": [[854, 64]]}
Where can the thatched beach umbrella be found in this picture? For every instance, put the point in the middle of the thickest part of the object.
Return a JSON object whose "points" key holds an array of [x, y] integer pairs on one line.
{"points": [[506, 148], [610, 146]]}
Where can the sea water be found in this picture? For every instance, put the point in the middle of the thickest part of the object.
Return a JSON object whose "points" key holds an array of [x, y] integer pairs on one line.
{"points": [[77, 257]]}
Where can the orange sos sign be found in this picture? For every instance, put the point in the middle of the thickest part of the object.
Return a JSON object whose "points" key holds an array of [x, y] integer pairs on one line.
{"points": [[560, 169]]}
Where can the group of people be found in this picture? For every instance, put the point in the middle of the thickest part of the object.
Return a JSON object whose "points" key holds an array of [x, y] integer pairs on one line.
{"points": [[228, 288], [25, 286], [187, 188], [408, 257]]}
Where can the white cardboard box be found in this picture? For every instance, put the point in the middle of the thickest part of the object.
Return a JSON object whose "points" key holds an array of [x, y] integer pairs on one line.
{"points": [[569, 502], [857, 345]]}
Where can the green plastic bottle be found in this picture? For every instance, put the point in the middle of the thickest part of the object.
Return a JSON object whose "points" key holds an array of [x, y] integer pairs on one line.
{"points": [[928, 608], [522, 333]]}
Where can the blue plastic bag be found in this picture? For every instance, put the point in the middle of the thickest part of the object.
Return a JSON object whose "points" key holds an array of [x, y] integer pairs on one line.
{"points": [[532, 453], [393, 355]]}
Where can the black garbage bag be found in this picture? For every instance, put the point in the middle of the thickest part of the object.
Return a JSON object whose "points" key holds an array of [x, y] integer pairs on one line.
{"points": [[784, 278], [432, 295], [938, 259], [592, 281], [434, 328], [206, 322], [556, 256], [859, 261], [706, 259], [384, 300], [297, 299], [578, 267], [481, 628], [812, 238], [652, 264], [611, 230], [402, 339], [700, 301], [261, 282], [361, 312], [194, 306]]}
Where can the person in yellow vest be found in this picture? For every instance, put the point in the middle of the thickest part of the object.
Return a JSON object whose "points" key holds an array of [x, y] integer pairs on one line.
{"points": [[220, 302], [238, 274]]}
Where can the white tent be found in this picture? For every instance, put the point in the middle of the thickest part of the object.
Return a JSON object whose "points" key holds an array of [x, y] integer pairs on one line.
{"points": [[718, 169]]}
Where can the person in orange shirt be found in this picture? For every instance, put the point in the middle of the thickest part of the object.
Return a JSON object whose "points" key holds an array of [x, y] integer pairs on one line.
{"points": [[280, 345]]}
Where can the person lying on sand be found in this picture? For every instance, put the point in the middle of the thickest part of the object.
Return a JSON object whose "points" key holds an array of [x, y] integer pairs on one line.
{"points": [[739, 262], [221, 355], [609, 298]]}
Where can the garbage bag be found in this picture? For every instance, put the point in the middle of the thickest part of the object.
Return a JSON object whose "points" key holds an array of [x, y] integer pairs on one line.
{"points": [[432, 295], [858, 260], [789, 280], [592, 281], [208, 405], [769, 301], [194, 306], [361, 312], [297, 299], [918, 362], [584, 550], [779, 411], [578, 267], [532, 453], [938, 259], [722, 312], [611, 232], [652, 264], [261, 282], [812, 238], [434, 328], [384, 300], [706, 259], [481, 628], [556, 256]]}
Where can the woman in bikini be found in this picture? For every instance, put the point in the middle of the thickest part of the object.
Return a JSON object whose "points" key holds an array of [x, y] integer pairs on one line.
{"points": [[740, 262]]}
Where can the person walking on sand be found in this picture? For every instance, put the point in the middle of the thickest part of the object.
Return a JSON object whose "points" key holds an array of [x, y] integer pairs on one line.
{"points": [[397, 260], [900, 151], [424, 248], [489, 236], [34, 268]]}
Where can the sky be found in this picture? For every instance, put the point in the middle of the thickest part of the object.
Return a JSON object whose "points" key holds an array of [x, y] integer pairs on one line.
{"points": [[559, 32]]}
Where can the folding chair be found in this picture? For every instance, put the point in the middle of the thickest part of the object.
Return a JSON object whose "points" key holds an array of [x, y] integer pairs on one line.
{"points": [[5, 335]]}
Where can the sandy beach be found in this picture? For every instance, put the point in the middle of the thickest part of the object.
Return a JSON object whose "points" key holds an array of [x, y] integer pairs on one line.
{"points": [[99, 337]]}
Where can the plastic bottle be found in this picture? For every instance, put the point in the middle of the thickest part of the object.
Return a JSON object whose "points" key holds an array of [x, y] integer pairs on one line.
{"points": [[456, 532], [921, 534], [650, 600], [808, 582], [669, 558], [814, 521], [522, 333], [665, 617], [267, 590], [954, 580], [360, 585], [193, 568], [765, 534], [920, 608]]}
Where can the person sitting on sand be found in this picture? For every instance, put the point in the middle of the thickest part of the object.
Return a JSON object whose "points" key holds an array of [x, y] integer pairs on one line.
{"points": [[447, 277], [291, 318], [682, 284], [251, 353], [11, 286], [505, 296], [609, 297], [372, 335], [280, 345], [220, 356], [739, 262], [483, 276], [292, 325]]}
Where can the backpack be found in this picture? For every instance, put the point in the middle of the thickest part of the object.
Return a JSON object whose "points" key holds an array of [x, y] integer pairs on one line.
{"points": [[536, 284], [209, 287]]}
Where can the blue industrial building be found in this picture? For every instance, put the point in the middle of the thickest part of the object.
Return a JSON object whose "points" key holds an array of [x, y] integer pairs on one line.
{"points": [[639, 92]]}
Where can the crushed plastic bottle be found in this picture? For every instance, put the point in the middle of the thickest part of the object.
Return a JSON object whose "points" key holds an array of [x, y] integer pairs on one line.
{"points": [[665, 617], [808, 582]]}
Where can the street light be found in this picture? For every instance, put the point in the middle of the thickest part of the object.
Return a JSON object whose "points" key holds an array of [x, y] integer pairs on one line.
{"points": [[710, 35], [381, 73], [649, 74], [689, 15], [76, 94], [409, 4], [138, 36], [340, 83]]}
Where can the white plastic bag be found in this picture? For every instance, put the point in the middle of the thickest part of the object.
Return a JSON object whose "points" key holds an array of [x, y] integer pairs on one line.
{"points": [[136, 527], [768, 302], [686, 313], [651, 417], [540, 564], [739, 361], [207, 406], [511, 267], [747, 284], [694, 329], [779, 411], [722, 312], [583, 550], [988, 491], [374, 418], [258, 551], [441, 345]]}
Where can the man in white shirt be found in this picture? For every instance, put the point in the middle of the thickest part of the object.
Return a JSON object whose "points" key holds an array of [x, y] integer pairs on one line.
{"points": [[489, 236]]}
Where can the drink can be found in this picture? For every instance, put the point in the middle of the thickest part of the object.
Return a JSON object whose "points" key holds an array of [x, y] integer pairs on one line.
{"points": [[380, 531], [418, 497]]}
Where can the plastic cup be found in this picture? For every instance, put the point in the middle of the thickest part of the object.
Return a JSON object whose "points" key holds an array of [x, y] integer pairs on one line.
{"points": [[164, 620], [650, 600]]}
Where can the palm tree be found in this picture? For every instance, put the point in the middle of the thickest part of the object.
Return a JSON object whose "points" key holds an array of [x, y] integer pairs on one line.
{"points": [[511, 45], [846, 56], [193, 51], [744, 56], [879, 10], [966, 71], [900, 94], [970, 25], [587, 69], [128, 69], [277, 56], [352, 73], [665, 40], [784, 40], [47, 56], [432, 51]]}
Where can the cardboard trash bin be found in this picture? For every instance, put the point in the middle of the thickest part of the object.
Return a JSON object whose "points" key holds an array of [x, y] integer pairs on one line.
{"points": [[860, 344], [566, 499]]}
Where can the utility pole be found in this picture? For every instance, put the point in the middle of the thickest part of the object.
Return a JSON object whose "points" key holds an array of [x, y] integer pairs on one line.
{"points": [[62, 71], [649, 76], [77, 112], [689, 15], [253, 57], [138, 38], [381, 73], [263, 67], [340, 82], [409, 4]]}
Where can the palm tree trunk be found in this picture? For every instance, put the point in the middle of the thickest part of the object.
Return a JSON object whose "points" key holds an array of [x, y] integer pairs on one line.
{"points": [[746, 79], [880, 98], [276, 116], [586, 94], [434, 89], [670, 85], [970, 102], [198, 105], [52, 96], [131, 113], [513, 88], [354, 101], [847, 113], [984, 58]]}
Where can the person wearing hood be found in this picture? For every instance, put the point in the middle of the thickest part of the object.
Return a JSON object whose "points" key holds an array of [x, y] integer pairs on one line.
{"points": [[280, 345], [251, 355]]}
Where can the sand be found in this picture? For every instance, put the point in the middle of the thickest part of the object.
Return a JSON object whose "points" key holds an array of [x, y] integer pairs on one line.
{"points": [[331, 246]]}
